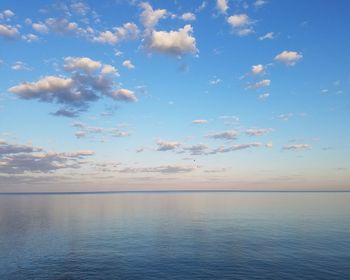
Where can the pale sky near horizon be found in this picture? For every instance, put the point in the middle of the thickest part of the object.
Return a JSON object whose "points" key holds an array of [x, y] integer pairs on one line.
{"points": [[134, 95]]}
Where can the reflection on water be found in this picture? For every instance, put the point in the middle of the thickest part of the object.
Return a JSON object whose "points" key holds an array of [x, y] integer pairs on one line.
{"points": [[175, 236]]}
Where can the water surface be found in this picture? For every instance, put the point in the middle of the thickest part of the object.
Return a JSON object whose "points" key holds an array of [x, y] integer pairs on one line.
{"points": [[175, 236]]}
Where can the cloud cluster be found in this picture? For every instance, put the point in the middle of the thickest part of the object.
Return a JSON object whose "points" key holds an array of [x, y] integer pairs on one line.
{"points": [[174, 42], [89, 80], [18, 159]]}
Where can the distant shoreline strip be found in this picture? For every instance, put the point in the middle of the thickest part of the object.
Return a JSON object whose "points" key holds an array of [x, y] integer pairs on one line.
{"points": [[173, 191]]}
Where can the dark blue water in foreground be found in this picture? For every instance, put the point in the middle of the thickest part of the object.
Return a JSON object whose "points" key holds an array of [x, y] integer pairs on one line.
{"points": [[175, 236]]}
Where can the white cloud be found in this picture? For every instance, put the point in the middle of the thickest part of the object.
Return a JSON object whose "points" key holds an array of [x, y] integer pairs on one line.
{"points": [[196, 150], [264, 96], [289, 57], [167, 145], [44, 88], [259, 3], [228, 135], [124, 95], [8, 31], [19, 66], [128, 31], [199, 121], [215, 81], [188, 17], [150, 17], [128, 64], [84, 130], [80, 8], [40, 27], [241, 24], [260, 84], [258, 69], [297, 147], [83, 63], [267, 36], [238, 147], [258, 131], [30, 38], [6, 14], [173, 42], [109, 70], [222, 6]]}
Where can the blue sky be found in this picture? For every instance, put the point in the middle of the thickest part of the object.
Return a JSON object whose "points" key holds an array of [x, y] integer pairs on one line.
{"points": [[129, 95]]}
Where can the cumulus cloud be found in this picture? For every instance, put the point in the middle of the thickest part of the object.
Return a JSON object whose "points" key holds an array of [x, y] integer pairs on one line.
{"points": [[18, 159], [8, 31], [297, 147], [109, 70], [128, 31], [40, 27], [267, 36], [6, 14], [167, 145], [260, 84], [150, 17], [128, 64], [227, 135], [222, 6], [81, 63], [177, 43], [241, 24], [89, 80], [124, 95], [258, 131], [199, 121], [289, 57], [258, 69], [188, 17]]}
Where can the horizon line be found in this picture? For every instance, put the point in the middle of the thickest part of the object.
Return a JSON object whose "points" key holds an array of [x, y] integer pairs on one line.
{"points": [[170, 191]]}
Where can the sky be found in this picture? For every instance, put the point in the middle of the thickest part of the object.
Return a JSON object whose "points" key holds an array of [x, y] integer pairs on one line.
{"points": [[174, 95]]}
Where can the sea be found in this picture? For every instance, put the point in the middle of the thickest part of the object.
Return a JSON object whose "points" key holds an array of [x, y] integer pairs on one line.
{"points": [[175, 235]]}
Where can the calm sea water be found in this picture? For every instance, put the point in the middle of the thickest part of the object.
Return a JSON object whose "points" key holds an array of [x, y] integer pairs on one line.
{"points": [[175, 236]]}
